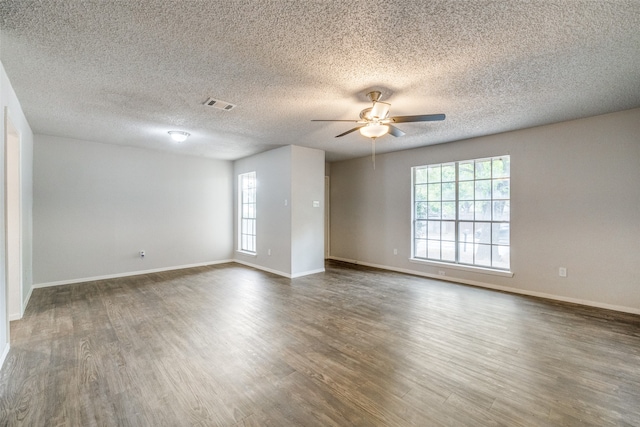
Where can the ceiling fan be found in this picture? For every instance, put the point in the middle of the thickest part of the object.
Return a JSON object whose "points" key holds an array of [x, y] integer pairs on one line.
{"points": [[375, 121]]}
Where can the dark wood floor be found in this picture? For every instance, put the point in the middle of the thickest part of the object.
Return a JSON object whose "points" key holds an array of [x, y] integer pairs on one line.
{"points": [[232, 346]]}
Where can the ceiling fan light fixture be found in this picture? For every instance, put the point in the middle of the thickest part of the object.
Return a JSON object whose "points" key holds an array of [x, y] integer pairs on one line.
{"points": [[178, 135], [374, 130]]}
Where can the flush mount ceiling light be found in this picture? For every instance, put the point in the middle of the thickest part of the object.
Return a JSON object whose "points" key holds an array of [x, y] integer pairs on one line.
{"points": [[178, 135]]}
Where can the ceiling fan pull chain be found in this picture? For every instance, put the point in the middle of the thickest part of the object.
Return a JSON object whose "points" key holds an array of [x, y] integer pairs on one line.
{"points": [[373, 152]]}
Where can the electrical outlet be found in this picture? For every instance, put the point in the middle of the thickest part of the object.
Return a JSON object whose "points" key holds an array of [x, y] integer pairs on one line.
{"points": [[395, 252], [142, 254], [562, 272], [269, 252]]}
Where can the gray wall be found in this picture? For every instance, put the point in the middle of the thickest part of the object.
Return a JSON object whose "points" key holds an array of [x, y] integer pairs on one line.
{"points": [[575, 204], [289, 180], [96, 205], [273, 204], [10, 105], [307, 220]]}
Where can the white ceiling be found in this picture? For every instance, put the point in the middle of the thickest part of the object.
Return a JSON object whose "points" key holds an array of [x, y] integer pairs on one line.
{"points": [[126, 72]]}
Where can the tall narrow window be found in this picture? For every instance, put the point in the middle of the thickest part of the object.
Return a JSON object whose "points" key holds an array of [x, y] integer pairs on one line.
{"points": [[461, 212], [247, 212]]}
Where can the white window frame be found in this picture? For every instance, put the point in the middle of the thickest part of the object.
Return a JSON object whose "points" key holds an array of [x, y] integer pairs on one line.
{"points": [[247, 212], [422, 223]]}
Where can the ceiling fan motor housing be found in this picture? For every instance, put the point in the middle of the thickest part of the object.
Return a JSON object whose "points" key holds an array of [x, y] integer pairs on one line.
{"points": [[374, 95]]}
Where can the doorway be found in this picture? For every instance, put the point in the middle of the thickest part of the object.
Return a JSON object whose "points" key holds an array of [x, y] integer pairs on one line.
{"points": [[13, 223]]}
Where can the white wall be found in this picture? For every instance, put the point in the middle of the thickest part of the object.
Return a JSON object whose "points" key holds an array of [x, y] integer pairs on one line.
{"points": [[575, 204], [10, 106], [96, 205], [288, 226]]}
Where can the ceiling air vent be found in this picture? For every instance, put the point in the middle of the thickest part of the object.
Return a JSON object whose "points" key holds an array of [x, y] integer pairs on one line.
{"points": [[220, 105]]}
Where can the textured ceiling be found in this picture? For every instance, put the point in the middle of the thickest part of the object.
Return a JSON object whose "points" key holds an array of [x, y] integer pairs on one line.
{"points": [[126, 72]]}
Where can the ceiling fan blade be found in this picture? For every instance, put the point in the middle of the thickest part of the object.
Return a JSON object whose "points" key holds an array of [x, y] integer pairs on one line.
{"points": [[349, 131], [421, 118], [395, 131], [352, 121]]}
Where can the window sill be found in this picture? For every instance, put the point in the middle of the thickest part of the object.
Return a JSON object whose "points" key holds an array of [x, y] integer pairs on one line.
{"points": [[468, 268], [252, 254]]}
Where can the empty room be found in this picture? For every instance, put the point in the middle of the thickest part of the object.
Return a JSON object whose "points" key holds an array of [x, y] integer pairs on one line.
{"points": [[320, 213]]}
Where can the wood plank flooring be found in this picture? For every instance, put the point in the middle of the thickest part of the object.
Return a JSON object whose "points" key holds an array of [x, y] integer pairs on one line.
{"points": [[228, 345]]}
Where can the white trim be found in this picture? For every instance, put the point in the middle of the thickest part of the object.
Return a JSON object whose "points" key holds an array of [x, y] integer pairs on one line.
{"points": [[457, 220], [508, 289], [251, 254], [461, 267], [589, 303], [259, 267], [5, 353], [26, 300], [306, 273], [158, 270], [9, 130], [24, 307], [240, 194], [278, 272], [131, 273], [327, 217]]}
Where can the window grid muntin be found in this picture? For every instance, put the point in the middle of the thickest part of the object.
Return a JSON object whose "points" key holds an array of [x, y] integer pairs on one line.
{"points": [[483, 175]]}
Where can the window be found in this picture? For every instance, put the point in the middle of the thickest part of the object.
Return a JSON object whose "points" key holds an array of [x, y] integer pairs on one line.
{"points": [[461, 212], [247, 212]]}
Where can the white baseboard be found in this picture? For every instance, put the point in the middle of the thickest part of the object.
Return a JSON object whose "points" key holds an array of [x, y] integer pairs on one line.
{"points": [[131, 273], [18, 316], [5, 353], [306, 273], [159, 270], [278, 272], [26, 300], [624, 309], [259, 267]]}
